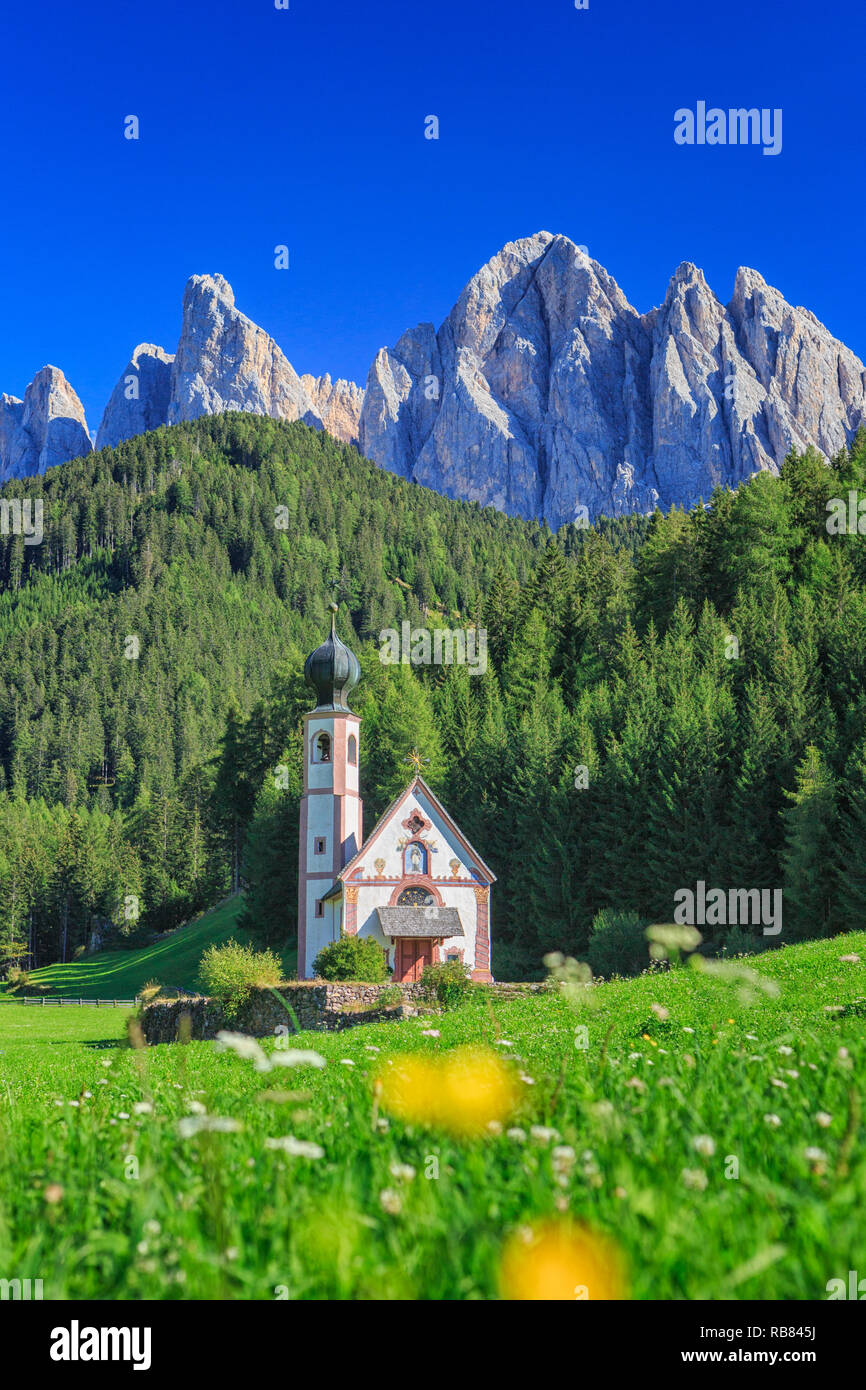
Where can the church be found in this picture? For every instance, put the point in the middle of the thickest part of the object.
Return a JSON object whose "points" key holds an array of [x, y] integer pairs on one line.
{"points": [[416, 886]]}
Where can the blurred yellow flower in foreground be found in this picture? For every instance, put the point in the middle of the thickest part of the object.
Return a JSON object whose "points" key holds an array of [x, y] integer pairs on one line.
{"points": [[462, 1091], [561, 1261]]}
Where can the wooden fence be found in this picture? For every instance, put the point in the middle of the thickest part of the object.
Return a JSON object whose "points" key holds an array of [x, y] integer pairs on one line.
{"points": [[59, 1002]]}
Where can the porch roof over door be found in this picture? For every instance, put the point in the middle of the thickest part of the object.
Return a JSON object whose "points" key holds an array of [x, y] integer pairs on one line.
{"points": [[420, 921]]}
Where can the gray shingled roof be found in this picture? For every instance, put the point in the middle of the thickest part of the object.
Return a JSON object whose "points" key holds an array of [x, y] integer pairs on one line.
{"points": [[420, 921]]}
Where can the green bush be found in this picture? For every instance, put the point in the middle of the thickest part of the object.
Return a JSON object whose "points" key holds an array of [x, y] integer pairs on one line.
{"points": [[357, 958], [618, 944], [390, 996], [449, 981], [230, 972]]}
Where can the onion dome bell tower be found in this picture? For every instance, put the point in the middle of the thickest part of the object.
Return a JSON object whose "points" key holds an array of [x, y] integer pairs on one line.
{"points": [[332, 670], [331, 831]]}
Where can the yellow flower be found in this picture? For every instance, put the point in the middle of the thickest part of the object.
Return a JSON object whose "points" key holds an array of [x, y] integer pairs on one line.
{"points": [[561, 1261], [462, 1091]]}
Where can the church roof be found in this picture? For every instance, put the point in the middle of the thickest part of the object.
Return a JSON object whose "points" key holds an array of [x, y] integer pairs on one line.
{"points": [[418, 784], [420, 921]]}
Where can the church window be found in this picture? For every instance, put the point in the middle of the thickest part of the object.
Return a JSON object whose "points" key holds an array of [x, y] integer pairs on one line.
{"points": [[319, 845], [320, 907], [322, 749], [415, 897], [353, 749]]}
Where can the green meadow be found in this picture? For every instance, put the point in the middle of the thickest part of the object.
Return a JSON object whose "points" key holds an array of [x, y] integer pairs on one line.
{"points": [[710, 1126], [172, 961]]}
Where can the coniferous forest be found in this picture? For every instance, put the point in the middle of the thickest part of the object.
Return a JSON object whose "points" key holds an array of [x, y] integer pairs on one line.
{"points": [[667, 699]]}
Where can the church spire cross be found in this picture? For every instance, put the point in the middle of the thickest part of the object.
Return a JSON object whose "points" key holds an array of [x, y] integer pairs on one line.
{"points": [[415, 760]]}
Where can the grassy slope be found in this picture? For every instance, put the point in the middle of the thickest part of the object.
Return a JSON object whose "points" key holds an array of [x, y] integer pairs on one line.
{"points": [[121, 974], [781, 1229]]}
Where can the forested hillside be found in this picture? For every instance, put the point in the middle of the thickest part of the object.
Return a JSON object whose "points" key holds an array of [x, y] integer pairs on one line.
{"points": [[151, 688]]}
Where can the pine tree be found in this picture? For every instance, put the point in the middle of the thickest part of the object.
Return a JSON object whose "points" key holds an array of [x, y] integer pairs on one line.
{"points": [[849, 864], [810, 886]]}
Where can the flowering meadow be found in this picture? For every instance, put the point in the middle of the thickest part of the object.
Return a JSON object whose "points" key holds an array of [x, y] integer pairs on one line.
{"points": [[687, 1134]]}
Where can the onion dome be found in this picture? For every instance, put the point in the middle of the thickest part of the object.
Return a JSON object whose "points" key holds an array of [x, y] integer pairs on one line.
{"points": [[332, 670]]}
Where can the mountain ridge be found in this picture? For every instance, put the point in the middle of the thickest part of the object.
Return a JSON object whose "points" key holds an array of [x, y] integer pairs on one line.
{"points": [[544, 392]]}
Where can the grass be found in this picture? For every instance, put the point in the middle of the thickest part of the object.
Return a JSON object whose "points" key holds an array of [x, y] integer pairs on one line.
{"points": [[122, 974], [101, 1199]]}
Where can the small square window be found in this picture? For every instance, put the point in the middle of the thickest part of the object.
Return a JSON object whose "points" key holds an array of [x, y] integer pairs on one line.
{"points": [[319, 844], [320, 907]]}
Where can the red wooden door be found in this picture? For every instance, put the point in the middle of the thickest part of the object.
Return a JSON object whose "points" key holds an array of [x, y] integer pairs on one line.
{"points": [[413, 954]]}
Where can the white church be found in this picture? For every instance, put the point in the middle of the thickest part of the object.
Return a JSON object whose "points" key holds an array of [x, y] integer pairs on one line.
{"points": [[416, 886]]}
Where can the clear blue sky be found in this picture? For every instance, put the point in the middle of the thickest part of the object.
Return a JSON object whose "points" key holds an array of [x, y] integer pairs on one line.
{"points": [[306, 127]]}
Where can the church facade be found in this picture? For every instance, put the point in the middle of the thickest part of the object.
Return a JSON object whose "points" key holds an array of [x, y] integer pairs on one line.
{"points": [[416, 886]]}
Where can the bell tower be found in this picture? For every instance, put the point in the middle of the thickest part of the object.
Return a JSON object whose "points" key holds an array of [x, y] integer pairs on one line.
{"points": [[332, 829]]}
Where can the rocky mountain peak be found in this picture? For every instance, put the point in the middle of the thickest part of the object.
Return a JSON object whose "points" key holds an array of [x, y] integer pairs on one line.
{"points": [[206, 287], [545, 392], [140, 400], [46, 428], [226, 362]]}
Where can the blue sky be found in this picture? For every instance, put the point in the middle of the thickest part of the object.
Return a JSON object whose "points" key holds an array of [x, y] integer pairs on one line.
{"points": [[306, 127]]}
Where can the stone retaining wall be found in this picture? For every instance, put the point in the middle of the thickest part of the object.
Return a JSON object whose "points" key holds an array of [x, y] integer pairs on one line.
{"points": [[316, 1005]]}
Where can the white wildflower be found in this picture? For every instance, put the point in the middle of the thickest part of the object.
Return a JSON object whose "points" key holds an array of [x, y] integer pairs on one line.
{"points": [[299, 1148], [543, 1134], [563, 1158], [215, 1124], [403, 1172], [694, 1178], [245, 1047], [296, 1057]]}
